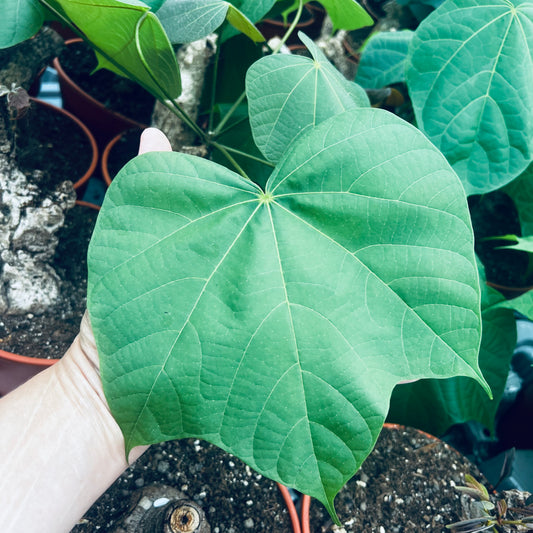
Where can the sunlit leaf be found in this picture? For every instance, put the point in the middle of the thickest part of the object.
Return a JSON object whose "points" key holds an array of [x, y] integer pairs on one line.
{"points": [[126, 56]]}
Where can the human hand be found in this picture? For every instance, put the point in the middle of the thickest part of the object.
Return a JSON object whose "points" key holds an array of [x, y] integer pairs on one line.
{"points": [[60, 447]]}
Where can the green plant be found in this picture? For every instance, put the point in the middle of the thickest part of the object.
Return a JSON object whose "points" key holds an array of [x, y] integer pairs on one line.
{"points": [[494, 516], [275, 321]]}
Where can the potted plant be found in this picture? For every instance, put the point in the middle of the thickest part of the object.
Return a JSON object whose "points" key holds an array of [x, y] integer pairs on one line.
{"points": [[35, 193], [276, 319]]}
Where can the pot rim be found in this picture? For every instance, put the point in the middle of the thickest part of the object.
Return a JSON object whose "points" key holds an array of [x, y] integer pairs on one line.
{"points": [[94, 148], [74, 86]]}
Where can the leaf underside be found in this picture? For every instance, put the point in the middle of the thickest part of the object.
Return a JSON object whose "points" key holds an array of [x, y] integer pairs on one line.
{"points": [[469, 77], [275, 324], [288, 94]]}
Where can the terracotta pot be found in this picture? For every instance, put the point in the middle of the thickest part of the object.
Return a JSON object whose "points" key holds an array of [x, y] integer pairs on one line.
{"points": [[509, 292], [16, 369], [108, 155], [80, 184], [308, 24], [103, 122]]}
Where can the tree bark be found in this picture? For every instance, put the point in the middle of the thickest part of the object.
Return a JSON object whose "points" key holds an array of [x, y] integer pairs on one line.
{"points": [[28, 223]]}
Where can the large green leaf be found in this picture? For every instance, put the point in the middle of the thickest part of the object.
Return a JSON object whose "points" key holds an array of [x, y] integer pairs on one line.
{"points": [[189, 20], [470, 78], [254, 10], [383, 59], [436, 405], [275, 324], [137, 47], [21, 19], [287, 94]]}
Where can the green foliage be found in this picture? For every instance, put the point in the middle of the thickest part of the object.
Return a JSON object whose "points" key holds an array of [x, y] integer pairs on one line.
{"points": [[137, 47], [345, 14], [383, 59], [521, 191], [436, 405], [469, 76], [189, 20], [21, 19], [275, 324], [289, 94]]}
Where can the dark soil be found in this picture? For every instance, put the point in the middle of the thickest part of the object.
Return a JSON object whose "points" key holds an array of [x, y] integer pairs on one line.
{"points": [[494, 214], [233, 497], [39, 140], [406, 485], [49, 335], [115, 92]]}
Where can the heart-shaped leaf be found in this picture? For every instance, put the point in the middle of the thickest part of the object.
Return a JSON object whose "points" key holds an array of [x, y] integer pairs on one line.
{"points": [[287, 94], [137, 37], [469, 74], [383, 59], [275, 324], [189, 20], [21, 19]]}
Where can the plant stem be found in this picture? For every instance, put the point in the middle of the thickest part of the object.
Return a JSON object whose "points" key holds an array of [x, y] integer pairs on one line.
{"points": [[244, 154], [228, 115], [232, 125], [214, 85], [228, 156], [291, 27]]}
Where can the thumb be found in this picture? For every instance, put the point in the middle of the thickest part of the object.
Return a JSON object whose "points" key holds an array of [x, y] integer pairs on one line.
{"points": [[154, 140]]}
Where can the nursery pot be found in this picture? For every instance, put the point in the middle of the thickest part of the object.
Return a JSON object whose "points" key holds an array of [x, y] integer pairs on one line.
{"points": [[15, 369], [80, 180], [309, 23], [103, 121], [118, 151], [407, 480]]}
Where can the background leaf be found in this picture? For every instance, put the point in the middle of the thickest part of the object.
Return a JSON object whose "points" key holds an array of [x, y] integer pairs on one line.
{"points": [[383, 59], [95, 17], [186, 21], [287, 94], [521, 191], [275, 325], [345, 14], [469, 76], [21, 19]]}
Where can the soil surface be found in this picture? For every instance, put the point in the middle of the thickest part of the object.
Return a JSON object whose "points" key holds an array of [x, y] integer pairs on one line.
{"points": [[50, 334], [39, 141], [406, 485], [115, 92], [234, 498]]}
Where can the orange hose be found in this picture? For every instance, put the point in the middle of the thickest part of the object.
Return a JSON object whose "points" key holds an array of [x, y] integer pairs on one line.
{"points": [[306, 503], [295, 520]]}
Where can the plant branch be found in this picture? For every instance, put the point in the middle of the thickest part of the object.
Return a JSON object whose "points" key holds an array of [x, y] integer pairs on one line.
{"points": [[228, 156], [244, 154], [291, 27], [229, 114]]}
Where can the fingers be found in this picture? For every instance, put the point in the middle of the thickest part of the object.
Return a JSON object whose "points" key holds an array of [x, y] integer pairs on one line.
{"points": [[154, 140]]}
